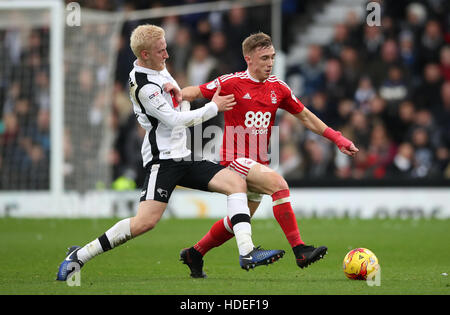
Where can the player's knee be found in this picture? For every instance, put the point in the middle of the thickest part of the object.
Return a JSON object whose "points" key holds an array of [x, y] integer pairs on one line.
{"points": [[148, 225], [277, 183], [141, 226]]}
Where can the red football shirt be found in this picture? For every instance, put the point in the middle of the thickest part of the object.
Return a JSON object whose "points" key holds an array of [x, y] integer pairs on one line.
{"points": [[248, 126]]}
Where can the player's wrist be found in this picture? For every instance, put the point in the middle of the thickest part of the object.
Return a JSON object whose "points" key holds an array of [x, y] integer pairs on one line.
{"points": [[213, 105], [336, 137]]}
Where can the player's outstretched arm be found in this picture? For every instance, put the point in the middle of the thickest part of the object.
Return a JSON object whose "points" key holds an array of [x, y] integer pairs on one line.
{"points": [[313, 123], [153, 103], [191, 93]]}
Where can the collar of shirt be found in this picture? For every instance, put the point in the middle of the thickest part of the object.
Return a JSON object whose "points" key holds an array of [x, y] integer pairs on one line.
{"points": [[252, 78], [148, 70]]}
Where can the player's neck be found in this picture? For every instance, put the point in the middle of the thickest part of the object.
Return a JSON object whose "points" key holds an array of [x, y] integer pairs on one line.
{"points": [[254, 77], [147, 65]]}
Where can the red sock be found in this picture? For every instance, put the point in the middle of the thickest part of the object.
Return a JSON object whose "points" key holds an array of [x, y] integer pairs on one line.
{"points": [[216, 236], [282, 210]]}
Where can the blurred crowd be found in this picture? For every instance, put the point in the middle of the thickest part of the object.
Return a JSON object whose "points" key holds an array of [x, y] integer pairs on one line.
{"points": [[24, 110], [387, 88]]}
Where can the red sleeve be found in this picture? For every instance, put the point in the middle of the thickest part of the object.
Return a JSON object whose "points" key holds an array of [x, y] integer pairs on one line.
{"points": [[290, 102], [208, 89]]}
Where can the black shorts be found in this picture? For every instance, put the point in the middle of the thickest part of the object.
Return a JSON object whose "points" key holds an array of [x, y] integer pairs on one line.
{"points": [[163, 176]]}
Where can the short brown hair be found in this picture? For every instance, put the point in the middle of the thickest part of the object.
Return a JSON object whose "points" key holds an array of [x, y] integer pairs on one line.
{"points": [[256, 41], [143, 37]]}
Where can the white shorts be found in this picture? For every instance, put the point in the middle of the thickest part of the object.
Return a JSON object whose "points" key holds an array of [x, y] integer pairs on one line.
{"points": [[242, 166]]}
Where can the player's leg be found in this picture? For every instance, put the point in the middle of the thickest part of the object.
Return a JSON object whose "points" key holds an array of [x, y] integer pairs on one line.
{"points": [[264, 180], [149, 212], [220, 232], [229, 183]]}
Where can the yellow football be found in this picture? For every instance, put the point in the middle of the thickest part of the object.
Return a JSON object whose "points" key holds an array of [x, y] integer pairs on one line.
{"points": [[359, 263]]}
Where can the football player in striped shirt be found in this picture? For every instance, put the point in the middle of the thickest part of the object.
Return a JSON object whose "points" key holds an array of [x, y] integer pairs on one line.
{"points": [[258, 94]]}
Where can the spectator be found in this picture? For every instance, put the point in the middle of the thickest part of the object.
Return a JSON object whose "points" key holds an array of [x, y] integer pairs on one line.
{"points": [[180, 50], [319, 106], [431, 42], [381, 152], [218, 46], [334, 86], [402, 165], [200, 65], [351, 67], [378, 69], [404, 122], [423, 153], [378, 112], [339, 41], [372, 41], [442, 113], [237, 27], [394, 89], [416, 16], [427, 94], [359, 129], [290, 162], [311, 71], [42, 90], [408, 52], [317, 156], [445, 62], [424, 119], [364, 94], [441, 165], [345, 108]]}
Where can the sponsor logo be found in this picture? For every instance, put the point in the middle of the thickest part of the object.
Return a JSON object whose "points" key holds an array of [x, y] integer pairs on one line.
{"points": [[163, 193], [257, 120], [153, 95]]}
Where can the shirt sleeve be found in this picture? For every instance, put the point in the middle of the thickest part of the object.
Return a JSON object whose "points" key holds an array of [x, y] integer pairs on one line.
{"points": [[290, 102], [155, 105], [208, 89]]}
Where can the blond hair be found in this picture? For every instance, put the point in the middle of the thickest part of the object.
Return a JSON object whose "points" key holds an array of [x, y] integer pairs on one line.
{"points": [[143, 36], [255, 41]]}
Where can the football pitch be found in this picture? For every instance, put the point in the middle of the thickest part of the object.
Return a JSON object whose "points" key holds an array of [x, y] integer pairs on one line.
{"points": [[414, 256]]}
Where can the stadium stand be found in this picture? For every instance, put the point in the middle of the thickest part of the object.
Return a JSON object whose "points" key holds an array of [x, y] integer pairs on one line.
{"points": [[387, 88]]}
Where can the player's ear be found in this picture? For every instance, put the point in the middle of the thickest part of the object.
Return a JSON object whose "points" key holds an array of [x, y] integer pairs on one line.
{"points": [[247, 59], [145, 54]]}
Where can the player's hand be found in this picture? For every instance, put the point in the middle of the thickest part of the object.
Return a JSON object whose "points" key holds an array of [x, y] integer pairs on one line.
{"points": [[170, 88], [351, 150], [225, 102]]}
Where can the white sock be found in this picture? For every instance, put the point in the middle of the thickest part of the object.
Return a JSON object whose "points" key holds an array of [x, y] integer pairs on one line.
{"points": [[116, 235], [239, 215], [243, 239]]}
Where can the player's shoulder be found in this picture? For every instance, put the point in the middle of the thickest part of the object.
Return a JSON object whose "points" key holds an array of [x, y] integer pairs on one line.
{"points": [[148, 79], [232, 77], [149, 91], [273, 79]]}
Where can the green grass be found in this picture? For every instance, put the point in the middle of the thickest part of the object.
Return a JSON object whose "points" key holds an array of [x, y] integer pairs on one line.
{"points": [[413, 255]]}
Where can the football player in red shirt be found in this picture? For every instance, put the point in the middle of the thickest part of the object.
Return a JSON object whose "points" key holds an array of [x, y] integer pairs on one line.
{"points": [[244, 149]]}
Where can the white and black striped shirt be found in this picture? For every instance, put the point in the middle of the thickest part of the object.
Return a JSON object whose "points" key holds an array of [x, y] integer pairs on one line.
{"points": [[160, 116]]}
